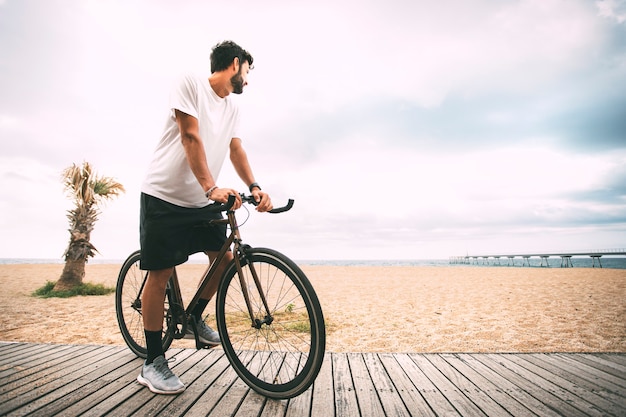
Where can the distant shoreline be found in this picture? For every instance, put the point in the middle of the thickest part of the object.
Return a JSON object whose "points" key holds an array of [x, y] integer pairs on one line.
{"points": [[608, 262]]}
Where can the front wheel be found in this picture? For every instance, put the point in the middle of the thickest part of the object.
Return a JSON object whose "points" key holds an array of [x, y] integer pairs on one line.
{"points": [[278, 351], [130, 284]]}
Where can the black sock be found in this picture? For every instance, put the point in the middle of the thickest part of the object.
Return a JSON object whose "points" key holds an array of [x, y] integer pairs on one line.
{"points": [[199, 309], [153, 344]]}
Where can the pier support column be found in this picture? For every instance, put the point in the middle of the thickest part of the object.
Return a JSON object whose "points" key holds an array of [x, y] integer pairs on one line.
{"points": [[593, 258], [566, 261]]}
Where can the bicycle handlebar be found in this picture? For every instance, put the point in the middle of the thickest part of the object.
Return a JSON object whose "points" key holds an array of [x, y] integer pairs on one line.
{"points": [[250, 199], [217, 207]]}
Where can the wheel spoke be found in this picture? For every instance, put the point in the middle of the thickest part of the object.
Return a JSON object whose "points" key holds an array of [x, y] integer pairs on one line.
{"points": [[128, 306]]}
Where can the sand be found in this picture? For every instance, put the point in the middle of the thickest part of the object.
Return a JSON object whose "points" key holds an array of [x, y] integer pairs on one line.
{"points": [[375, 309]]}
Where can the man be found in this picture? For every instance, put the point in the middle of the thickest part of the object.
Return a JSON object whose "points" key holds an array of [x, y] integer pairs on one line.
{"points": [[201, 129]]}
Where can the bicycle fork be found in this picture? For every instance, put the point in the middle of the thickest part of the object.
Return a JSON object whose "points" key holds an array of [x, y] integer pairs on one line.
{"points": [[241, 261]]}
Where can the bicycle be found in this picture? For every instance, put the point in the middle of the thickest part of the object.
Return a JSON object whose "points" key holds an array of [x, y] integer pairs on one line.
{"points": [[268, 316]]}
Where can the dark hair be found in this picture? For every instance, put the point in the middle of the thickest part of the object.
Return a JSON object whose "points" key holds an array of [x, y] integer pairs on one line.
{"points": [[223, 53]]}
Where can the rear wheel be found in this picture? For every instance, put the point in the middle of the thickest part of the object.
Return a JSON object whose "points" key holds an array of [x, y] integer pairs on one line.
{"points": [[130, 283], [279, 351]]}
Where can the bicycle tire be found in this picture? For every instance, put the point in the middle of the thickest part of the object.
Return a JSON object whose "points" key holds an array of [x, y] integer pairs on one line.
{"points": [[282, 359], [130, 282]]}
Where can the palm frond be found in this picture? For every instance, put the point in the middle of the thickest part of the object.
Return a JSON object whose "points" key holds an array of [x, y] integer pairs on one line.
{"points": [[107, 187]]}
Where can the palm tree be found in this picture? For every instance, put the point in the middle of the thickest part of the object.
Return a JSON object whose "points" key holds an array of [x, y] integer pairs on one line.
{"points": [[87, 190]]}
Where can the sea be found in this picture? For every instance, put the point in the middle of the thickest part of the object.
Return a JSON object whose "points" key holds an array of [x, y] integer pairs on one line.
{"points": [[613, 262]]}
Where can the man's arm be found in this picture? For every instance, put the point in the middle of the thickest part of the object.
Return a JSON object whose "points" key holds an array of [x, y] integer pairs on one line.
{"points": [[196, 158], [239, 159]]}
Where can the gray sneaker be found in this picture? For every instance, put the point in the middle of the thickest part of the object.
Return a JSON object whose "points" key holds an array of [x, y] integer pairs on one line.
{"points": [[206, 334], [159, 378]]}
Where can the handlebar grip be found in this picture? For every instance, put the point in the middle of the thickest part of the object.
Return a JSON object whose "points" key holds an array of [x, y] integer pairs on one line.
{"points": [[219, 207], [283, 209], [249, 199]]}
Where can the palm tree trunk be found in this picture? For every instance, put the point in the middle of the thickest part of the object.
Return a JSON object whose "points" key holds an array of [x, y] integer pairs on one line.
{"points": [[72, 275], [79, 249]]}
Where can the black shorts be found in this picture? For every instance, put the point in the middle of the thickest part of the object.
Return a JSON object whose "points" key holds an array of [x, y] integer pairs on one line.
{"points": [[169, 233]]}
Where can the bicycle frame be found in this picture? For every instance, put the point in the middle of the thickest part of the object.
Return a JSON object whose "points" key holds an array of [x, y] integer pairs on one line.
{"points": [[234, 240]]}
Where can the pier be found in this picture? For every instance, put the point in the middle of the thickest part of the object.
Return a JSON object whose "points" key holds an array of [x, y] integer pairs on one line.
{"points": [[566, 258]]}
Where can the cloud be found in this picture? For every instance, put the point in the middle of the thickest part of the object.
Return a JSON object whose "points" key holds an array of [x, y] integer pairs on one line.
{"points": [[612, 9], [417, 129]]}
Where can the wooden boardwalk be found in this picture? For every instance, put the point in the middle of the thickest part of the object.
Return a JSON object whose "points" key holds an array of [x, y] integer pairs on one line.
{"points": [[88, 380]]}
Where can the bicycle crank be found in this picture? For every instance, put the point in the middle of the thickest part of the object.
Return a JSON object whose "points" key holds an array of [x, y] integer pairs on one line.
{"points": [[176, 321]]}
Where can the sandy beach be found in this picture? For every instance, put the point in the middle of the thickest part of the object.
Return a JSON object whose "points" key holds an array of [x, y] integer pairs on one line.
{"points": [[375, 309]]}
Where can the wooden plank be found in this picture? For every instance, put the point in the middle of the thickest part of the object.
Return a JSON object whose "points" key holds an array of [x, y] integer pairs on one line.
{"points": [[579, 377], [346, 403], [17, 360], [186, 369], [11, 348], [239, 395], [406, 390], [598, 362], [94, 400], [534, 405], [366, 395], [235, 390], [24, 390], [20, 354], [323, 396], [68, 380], [483, 387], [67, 363], [616, 383], [300, 405], [388, 395], [618, 358], [144, 402], [251, 405], [5, 344], [581, 398], [46, 395], [435, 399], [288, 369], [199, 379], [272, 408], [543, 390], [83, 398], [476, 394], [41, 364], [220, 390], [27, 358], [121, 384], [116, 401], [453, 393]]}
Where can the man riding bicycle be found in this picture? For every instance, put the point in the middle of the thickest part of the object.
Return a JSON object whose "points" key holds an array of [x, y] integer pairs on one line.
{"points": [[202, 127]]}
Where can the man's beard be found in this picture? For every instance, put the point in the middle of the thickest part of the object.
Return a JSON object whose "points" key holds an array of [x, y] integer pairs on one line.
{"points": [[237, 83]]}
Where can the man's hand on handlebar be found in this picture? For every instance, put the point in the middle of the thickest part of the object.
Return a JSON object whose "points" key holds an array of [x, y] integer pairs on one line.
{"points": [[264, 202], [220, 195]]}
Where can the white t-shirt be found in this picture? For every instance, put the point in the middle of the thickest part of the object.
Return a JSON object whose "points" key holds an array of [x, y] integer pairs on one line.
{"points": [[169, 176]]}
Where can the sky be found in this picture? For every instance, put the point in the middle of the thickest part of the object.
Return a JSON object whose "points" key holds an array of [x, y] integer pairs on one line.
{"points": [[402, 129]]}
